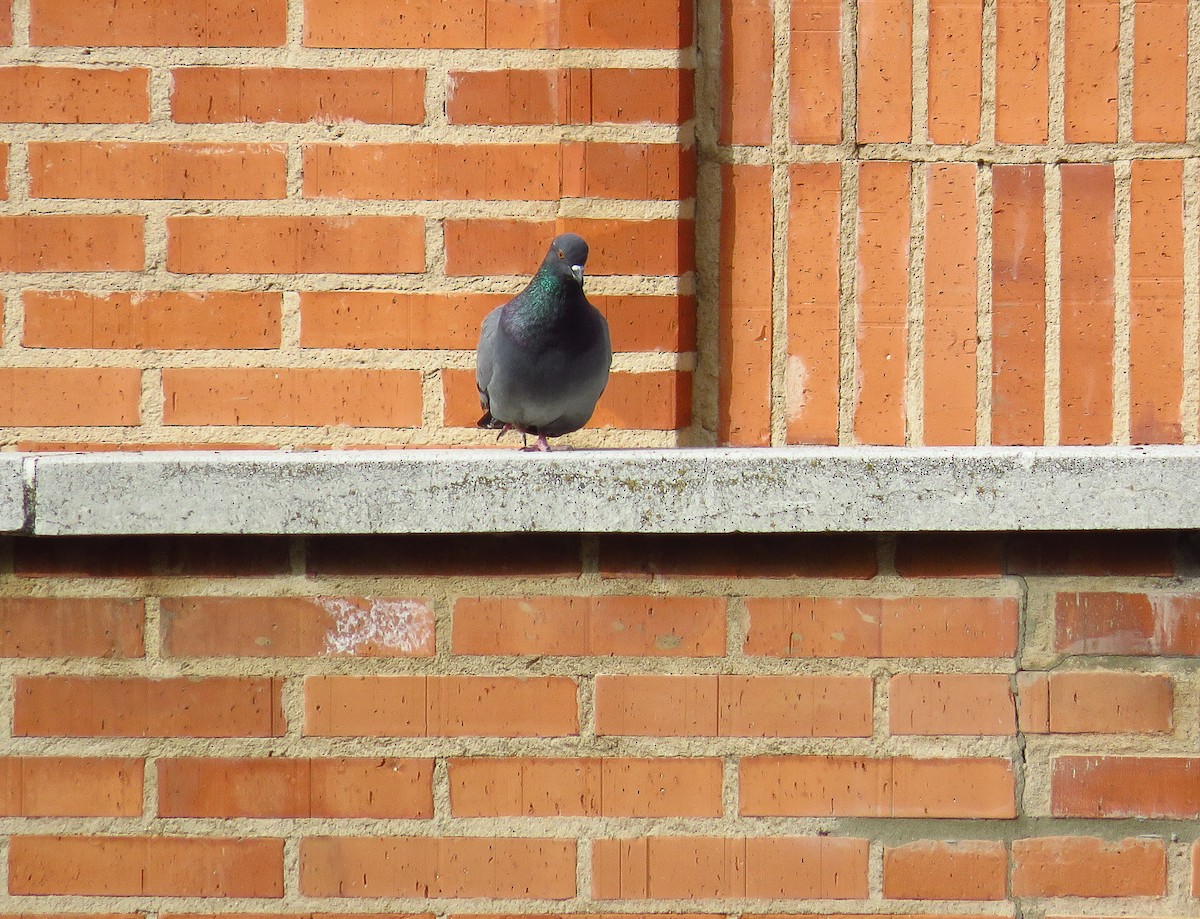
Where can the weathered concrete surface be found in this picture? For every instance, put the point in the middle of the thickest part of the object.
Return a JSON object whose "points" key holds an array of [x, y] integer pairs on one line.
{"points": [[639, 491], [12, 492]]}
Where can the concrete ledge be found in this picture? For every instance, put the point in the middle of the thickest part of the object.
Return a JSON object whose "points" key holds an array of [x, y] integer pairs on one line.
{"points": [[622, 491], [13, 508]]}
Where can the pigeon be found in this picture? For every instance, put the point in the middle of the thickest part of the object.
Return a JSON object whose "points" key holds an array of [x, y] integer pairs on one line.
{"points": [[543, 356]]}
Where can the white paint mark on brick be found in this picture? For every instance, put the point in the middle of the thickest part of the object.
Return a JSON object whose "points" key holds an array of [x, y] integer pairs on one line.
{"points": [[401, 625], [795, 381]]}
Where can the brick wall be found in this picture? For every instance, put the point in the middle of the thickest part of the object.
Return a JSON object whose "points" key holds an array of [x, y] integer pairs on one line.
{"points": [[280, 223], [717, 726]]}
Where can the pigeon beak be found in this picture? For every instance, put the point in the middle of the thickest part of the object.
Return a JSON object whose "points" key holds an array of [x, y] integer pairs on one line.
{"points": [[577, 273]]}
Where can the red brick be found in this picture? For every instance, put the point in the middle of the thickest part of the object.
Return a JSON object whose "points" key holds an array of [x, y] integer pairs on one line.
{"points": [[1092, 36], [881, 299], [884, 71], [1088, 301], [932, 870], [69, 396], [487, 246], [143, 556], [1084, 866], [365, 244], [815, 98], [1099, 554], [951, 703], [581, 626], [158, 866], [157, 170], [747, 58], [1018, 305], [760, 555], [588, 787], [375, 95], [1022, 72], [745, 280], [812, 373], [734, 706], [61, 786], [6, 26], [4, 172], [72, 242], [639, 172], [857, 786], [1127, 623], [509, 554], [1096, 702], [771, 867], [1156, 300], [152, 319], [874, 627], [418, 866], [950, 301], [183, 23], [74, 95], [488, 24], [77, 706], [292, 397], [955, 70], [440, 706], [949, 555], [1126, 786], [1160, 35], [1196, 869], [71, 627], [375, 787], [295, 627]]}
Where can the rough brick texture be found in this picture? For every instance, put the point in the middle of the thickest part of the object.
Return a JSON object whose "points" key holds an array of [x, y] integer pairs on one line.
{"points": [[483, 726]]}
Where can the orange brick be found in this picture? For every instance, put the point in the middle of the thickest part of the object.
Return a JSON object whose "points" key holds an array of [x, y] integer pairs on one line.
{"points": [[1088, 301], [487, 246], [295, 627], [374, 95], [1156, 301], [881, 299], [1127, 623], [6, 35], [581, 626], [884, 71], [183, 23], [955, 70], [1097, 702], [873, 627], [640, 172], [440, 706], [951, 703], [812, 374], [745, 281], [950, 301], [417, 866], [856, 786], [60, 786], [478, 24], [815, 100], [69, 396], [624, 96], [367, 244], [71, 627], [157, 170], [691, 867], [1022, 72], [1084, 866], [4, 172], [591, 787], [158, 866], [378, 787], [734, 706], [747, 59], [74, 95], [1092, 37], [77, 706], [72, 242], [1196, 869], [152, 319], [1160, 34], [1126, 786], [1018, 305], [292, 397], [930, 870]]}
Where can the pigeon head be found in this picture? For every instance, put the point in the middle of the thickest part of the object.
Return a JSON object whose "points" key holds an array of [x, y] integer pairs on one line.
{"points": [[567, 256]]}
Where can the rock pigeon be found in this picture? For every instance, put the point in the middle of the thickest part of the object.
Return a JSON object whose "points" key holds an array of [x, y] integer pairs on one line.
{"points": [[543, 356]]}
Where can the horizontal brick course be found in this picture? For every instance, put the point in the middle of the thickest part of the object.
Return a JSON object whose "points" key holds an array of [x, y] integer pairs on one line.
{"points": [[189, 23], [1084, 866], [71, 627], [64, 786]]}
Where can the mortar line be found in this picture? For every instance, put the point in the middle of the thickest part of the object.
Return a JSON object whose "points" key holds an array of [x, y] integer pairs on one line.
{"points": [[919, 62], [1125, 53], [1121, 303], [848, 304], [1192, 115], [1056, 128], [983, 305], [914, 388], [780, 198], [1053, 228], [1190, 402], [987, 75]]}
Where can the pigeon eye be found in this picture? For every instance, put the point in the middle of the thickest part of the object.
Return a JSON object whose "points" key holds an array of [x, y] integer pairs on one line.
{"points": [[560, 253]]}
